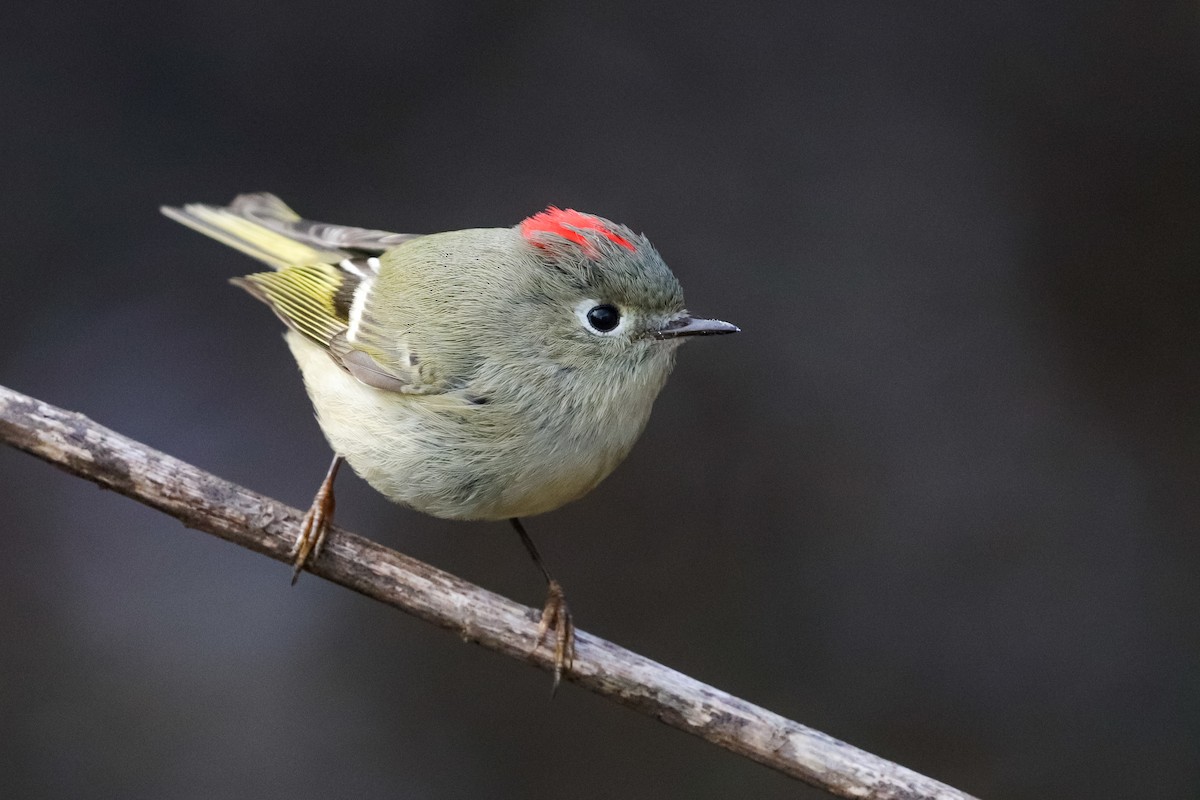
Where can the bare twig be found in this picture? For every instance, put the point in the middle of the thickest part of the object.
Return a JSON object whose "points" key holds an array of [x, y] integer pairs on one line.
{"points": [[207, 503]]}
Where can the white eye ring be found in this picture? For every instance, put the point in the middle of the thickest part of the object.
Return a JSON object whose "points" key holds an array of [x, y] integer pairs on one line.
{"points": [[585, 306]]}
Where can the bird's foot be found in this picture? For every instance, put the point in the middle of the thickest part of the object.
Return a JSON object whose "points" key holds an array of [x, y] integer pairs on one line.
{"points": [[316, 524], [557, 617]]}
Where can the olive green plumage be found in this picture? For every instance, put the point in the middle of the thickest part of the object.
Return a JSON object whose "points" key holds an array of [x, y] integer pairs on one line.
{"points": [[462, 373]]}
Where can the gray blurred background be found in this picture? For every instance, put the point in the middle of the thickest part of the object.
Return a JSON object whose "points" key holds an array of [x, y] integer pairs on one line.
{"points": [[939, 499]]}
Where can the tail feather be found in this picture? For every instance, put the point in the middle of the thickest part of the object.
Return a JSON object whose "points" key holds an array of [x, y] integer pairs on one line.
{"points": [[233, 227], [263, 227]]}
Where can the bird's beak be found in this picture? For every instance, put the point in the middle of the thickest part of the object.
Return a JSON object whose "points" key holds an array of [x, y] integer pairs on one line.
{"points": [[685, 325]]}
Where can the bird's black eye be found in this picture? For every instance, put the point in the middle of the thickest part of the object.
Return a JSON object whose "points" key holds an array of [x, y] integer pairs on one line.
{"points": [[604, 318]]}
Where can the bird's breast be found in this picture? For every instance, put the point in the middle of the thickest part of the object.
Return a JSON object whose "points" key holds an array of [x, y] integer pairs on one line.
{"points": [[493, 450]]}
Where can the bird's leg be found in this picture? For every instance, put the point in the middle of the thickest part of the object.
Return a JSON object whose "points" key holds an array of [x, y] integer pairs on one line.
{"points": [[316, 523], [555, 614]]}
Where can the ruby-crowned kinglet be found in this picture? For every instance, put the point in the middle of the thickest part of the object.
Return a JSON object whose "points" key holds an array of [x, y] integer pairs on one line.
{"points": [[482, 374]]}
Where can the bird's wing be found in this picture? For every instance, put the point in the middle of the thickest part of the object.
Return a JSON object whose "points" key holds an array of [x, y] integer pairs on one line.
{"points": [[322, 279], [262, 226], [324, 303]]}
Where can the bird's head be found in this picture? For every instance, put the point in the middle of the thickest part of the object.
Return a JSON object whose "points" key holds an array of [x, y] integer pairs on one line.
{"points": [[606, 292]]}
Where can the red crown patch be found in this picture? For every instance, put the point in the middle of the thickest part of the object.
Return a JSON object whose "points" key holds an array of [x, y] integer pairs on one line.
{"points": [[569, 224]]}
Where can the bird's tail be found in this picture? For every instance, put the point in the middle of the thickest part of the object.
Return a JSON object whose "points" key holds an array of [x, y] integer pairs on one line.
{"points": [[263, 227]]}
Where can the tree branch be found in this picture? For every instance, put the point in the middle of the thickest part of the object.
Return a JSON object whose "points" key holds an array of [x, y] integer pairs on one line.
{"points": [[207, 503]]}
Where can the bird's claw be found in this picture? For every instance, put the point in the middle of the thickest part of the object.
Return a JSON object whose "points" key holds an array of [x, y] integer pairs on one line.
{"points": [[314, 528], [557, 617]]}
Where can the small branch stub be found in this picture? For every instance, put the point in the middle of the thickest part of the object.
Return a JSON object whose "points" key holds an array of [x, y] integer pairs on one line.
{"points": [[207, 503]]}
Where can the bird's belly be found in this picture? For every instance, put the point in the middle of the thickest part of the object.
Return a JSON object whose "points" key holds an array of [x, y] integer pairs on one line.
{"points": [[452, 479], [446, 471], [428, 451]]}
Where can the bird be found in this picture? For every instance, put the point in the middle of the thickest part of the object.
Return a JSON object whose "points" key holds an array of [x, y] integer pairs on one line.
{"points": [[482, 374]]}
